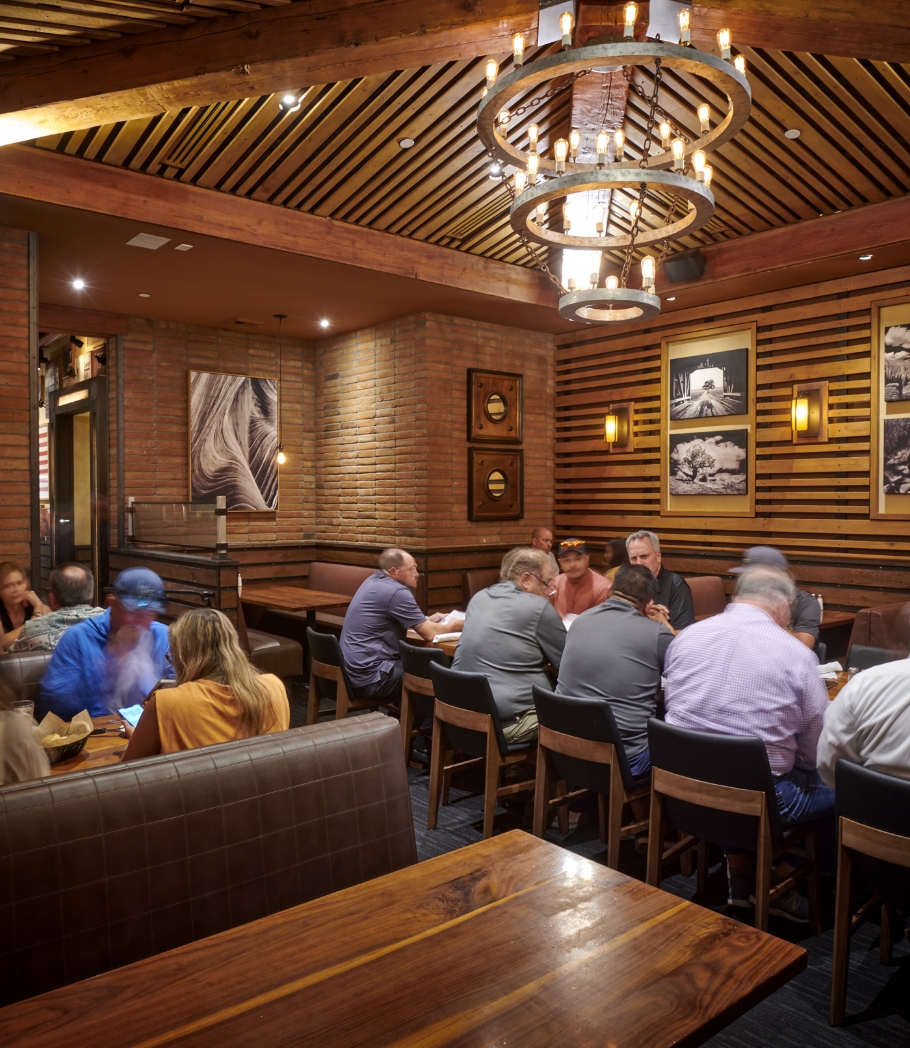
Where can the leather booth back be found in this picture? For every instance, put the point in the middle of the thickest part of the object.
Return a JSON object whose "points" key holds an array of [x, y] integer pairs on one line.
{"points": [[885, 626], [105, 867], [24, 672]]}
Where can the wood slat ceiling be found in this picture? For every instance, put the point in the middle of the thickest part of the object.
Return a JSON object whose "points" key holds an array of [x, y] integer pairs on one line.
{"points": [[338, 156], [28, 28]]}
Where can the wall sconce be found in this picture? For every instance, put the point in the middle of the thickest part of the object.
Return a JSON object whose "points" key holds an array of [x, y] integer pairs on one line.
{"points": [[618, 427], [809, 413]]}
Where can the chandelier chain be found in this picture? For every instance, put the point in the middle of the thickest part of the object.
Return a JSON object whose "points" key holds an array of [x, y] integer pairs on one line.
{"points": [[659, 110], [535, 254], [538, 100]]}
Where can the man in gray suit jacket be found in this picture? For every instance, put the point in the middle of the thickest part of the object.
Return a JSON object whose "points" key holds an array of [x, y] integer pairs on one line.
{"points": [[511, 631]]}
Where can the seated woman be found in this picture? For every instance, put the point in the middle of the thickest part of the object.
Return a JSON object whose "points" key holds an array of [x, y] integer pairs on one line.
{"points": [[17, 602], [219, 695], [21, 757]]}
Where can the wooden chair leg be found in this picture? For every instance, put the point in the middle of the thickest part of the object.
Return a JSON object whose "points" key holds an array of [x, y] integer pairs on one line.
{"points": [[406, 719], [701, 882], [447, 774], [437, 761], [655, 840], [491, 785], [886, 941], [562, 811], [541, 793], [342, 700], [842, 917], [312, 709], [602, 817], [814, 881], [763, 872], [614, 816]]}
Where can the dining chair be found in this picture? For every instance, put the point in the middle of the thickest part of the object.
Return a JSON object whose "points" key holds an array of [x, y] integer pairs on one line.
{"points": [[873, 829], [466, 720], [718, 789], [579, 745], [329, 680], [417, 692], [864, 657]]}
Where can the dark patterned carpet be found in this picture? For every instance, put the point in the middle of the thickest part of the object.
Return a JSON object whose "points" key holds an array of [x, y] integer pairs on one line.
{"points": [[878, 997]]}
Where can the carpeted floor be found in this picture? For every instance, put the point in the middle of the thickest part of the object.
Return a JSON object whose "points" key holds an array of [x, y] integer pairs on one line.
{"points": [[878, 997]]}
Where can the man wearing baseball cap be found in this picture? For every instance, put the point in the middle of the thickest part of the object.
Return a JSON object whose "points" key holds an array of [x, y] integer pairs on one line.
{"points": [[112, 660], [805, 613], [578, 587]]}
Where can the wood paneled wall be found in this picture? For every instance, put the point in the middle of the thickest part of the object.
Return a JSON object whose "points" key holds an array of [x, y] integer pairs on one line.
{"points": [[812, 501]]}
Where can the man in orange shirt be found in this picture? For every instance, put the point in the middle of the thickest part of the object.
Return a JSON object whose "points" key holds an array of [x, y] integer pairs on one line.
{"points": [[578, 587]]}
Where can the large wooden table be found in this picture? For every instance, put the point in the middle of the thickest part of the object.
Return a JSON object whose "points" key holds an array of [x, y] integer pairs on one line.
{"points": [[512, 941], [287, 597]]}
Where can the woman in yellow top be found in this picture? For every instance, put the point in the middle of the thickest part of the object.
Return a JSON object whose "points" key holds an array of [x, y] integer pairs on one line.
{"points": [[219, 696]]}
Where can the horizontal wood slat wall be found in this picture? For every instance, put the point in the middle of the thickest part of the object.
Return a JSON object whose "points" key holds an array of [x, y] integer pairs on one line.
{"points": [[812, 501]]}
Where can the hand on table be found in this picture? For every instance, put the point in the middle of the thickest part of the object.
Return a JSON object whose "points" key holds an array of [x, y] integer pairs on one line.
{"points": [[660, 613]]}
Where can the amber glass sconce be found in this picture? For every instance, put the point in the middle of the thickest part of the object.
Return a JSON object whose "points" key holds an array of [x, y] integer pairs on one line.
{"points": [[618, 427], [809, 413]]}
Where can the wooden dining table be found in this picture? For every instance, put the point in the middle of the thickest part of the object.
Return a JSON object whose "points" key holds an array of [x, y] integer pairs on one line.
{"points": [[511, 941], [286, 596], [99, 750]]}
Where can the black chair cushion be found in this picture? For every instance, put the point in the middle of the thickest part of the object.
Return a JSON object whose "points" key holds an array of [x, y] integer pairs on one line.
{"points": [[417, 661], [725, 760], [470, 691], [864, 656], [882, 801], [324, 647]]}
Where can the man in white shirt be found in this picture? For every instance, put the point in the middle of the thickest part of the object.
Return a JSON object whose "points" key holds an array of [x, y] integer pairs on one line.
{"points": [[869, 723]]}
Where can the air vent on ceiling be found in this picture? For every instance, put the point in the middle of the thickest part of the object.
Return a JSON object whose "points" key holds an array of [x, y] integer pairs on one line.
{"points": [[480, 217], [198, 133], [246, 322], [148, 240]]}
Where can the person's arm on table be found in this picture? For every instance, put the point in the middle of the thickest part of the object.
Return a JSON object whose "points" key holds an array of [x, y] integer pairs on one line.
{"points": [[428, 629], [661, 613], [806, 622], [145, 740], [814, 704]]}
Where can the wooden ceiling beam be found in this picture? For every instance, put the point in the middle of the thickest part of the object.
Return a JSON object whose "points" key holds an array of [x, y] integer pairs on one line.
{"points": [[254, 53], [38, 174]]}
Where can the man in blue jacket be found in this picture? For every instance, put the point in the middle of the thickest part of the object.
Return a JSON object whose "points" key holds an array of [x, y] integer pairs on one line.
{"points": [[115, 659]]}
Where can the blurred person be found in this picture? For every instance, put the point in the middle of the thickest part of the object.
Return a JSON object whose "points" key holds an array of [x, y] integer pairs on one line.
{"points": [[21, 757], [805, 611], [18, 602], [674, 605], [379, 616], [511, 632], [542, 539], [69, 593], [615, 556], [112, 660], [578, 587], [219, 696]]}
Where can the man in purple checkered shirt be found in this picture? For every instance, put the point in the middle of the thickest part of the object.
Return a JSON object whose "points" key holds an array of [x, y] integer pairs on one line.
{"points": [[743, 673]]}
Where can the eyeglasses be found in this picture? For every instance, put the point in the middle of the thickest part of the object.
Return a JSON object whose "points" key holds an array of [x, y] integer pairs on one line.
{"points": [[547, 582]]}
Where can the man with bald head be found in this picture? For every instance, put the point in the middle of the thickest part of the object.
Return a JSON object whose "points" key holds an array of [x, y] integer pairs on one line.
{"points": [[542, 539], [381, 613], [70, 596]]}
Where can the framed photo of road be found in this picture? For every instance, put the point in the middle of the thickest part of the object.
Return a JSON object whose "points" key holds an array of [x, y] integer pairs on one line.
{"points": [[708, 423]]}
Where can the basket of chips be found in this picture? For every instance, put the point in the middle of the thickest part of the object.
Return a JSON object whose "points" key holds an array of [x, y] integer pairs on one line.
{"points": [[61, 740]]}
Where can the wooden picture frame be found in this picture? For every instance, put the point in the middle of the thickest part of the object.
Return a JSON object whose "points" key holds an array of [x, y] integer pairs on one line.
{"points": [[495, 484], [888, 413], [494, 406], [722, 363]]}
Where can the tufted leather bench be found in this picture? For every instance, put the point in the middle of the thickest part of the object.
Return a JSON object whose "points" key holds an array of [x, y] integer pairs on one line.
{"points": [[105, 867], [23, 672]]}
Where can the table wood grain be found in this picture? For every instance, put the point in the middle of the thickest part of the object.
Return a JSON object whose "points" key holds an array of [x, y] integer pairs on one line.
{"points": [[99, 750], [288, 597], [448, 646], [512, 941]]}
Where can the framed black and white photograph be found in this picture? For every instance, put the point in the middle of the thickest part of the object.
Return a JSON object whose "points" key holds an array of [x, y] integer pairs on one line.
{"points": [[896, 360], [233, 431], [889, 478], [710, 385], [709, 463], [896, 456]]}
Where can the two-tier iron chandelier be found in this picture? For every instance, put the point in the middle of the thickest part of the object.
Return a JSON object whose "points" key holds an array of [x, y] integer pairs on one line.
{"points": [[678, 172]]}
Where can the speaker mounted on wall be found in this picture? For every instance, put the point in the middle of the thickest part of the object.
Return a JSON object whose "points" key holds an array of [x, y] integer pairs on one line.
{"points": [[687, 265]]}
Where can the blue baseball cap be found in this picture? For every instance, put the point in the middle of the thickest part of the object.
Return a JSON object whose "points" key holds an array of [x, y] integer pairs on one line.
{"points": [[140, 589]]}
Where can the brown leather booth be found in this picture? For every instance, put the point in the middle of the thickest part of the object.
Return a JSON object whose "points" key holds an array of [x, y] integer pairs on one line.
{"points": [[23, 672], [887, 626], [105, 867], [473, 582], [708, 597]]}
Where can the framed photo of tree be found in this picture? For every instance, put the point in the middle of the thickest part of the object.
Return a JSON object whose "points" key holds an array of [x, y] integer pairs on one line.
{"points": [[708, 423], [890, 415]]}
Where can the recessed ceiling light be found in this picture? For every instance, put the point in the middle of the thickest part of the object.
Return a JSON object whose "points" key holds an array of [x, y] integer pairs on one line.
{"points": [[671, 298], [144, 294], [794, 132], [406, 143], [324, 322], [184, 247], [148, 240], [864, 258], [78, 283]]}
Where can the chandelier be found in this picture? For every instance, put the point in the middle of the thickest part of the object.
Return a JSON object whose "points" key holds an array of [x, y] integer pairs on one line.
{"points": [[677, 171]]}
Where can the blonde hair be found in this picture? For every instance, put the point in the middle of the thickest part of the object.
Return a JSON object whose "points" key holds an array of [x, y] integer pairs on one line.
{"points": [[204, 646]]}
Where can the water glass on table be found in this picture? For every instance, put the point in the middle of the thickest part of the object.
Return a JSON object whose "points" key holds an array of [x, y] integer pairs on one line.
{"points": [[24, 706]]}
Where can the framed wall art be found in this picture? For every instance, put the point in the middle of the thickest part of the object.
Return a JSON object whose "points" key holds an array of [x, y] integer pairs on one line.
{"points": [[890, 472], [708, 423], [233, 440], [494, 406], [495, 484]]}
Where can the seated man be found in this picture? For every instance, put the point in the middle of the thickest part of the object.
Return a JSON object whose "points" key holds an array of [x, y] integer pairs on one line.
{"points": [[805, 612], [542, 538], [869, 723], [615, 652], [743, 673], [674, 605], [381, 613], [69, 594], [112, 660], [510, 634], [579, 587]]}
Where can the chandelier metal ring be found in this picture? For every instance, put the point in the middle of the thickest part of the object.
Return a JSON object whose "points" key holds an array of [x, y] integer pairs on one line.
{"points": [[594, 304], [697, 193], [718, 71]]}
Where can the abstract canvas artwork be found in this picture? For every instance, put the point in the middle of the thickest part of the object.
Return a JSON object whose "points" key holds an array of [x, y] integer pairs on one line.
{"points": [[896, 457], [234, 440], [710, 385], [709, 463], [897, 362]]}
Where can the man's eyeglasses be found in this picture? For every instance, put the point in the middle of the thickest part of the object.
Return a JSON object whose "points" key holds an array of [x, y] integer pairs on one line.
{"points": [[547, 582]]}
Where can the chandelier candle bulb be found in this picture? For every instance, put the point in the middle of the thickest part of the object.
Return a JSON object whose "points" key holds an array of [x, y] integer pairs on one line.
{"points": [[707, 175], [492, 72], [685, 34], [620, 139], [572, 284], [504, 117], [679, 154], [518, 48], [533, 135], [593, 280], [561, 151], [601, 143], [723, 42], [740, 63], [647, 273], [533, 168], [634, 208], [521, 179], [704, 117], [699, 162], [666, 133], [612, 282], [629, 14], [566, 23], [566, 217], [574, 143], [599, 218]]}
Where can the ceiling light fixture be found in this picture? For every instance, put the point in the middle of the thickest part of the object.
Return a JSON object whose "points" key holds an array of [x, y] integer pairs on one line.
{"points": [[78, 283], [406, 143], [184, 247], [794, 132], [144, 294], [324, 323], [672, 188], [864, 258], [671, 298], [290, 102], [148, 240], [280, 458]]}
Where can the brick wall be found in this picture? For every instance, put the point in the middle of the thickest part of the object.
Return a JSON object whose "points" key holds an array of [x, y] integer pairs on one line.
{"points": [[157, 356], [15, 495]]}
